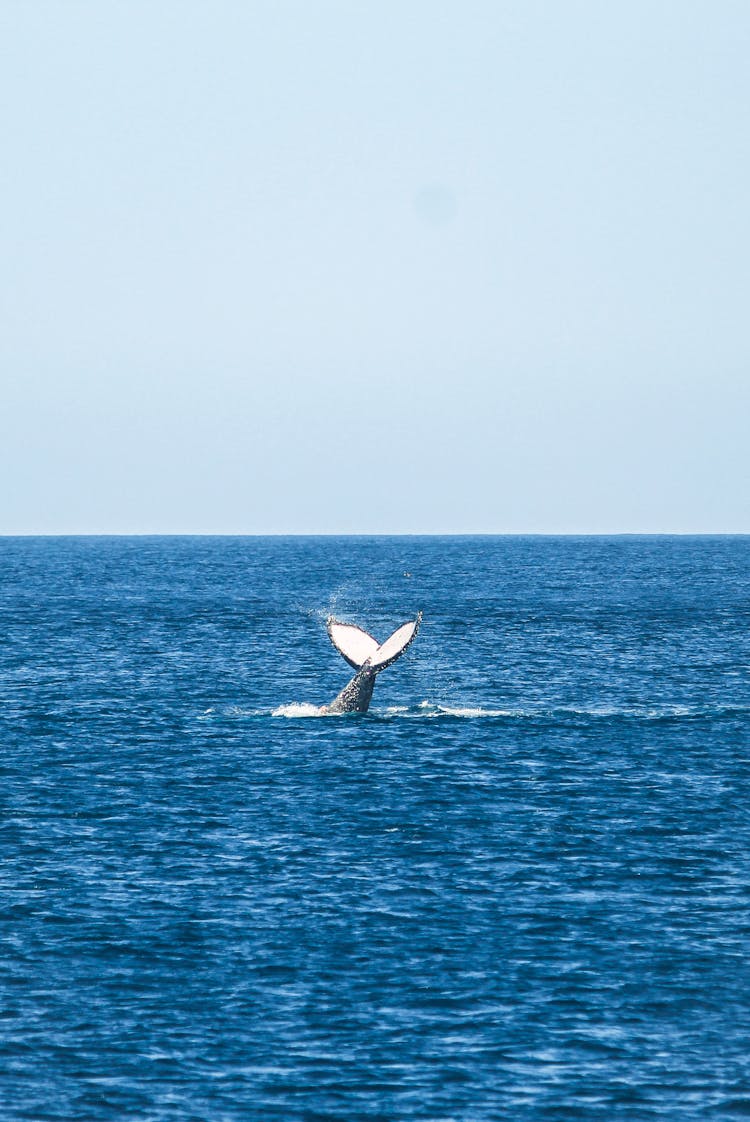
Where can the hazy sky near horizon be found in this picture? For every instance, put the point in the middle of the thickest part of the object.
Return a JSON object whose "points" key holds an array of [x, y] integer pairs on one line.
{"points": [[279, 266]]}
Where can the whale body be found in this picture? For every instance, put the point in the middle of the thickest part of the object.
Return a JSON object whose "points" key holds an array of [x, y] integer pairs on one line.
{"points": [[368, 657]]}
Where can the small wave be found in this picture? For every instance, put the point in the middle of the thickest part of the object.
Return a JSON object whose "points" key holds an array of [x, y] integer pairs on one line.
{"points": [[641, 712], [432, 709], [557, 712]]}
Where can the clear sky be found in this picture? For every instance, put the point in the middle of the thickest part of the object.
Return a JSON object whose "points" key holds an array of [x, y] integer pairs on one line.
{"points": [[374, 267]]}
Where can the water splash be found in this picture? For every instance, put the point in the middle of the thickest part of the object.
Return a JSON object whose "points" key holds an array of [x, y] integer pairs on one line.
{"points": [[297, 709]]}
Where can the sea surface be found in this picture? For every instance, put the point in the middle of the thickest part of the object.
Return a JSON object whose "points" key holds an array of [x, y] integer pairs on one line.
{"points": [[517, 889]]}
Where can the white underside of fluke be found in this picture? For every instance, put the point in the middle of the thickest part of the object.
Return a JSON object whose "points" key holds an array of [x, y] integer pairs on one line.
{"points": [[358, 648]]}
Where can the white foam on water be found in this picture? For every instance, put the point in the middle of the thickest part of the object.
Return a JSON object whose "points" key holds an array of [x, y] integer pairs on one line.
{"points": [[458, 711], [297, 709]]}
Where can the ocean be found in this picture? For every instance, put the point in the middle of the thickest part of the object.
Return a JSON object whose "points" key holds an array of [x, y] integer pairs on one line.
{"points": [[517, 889]]}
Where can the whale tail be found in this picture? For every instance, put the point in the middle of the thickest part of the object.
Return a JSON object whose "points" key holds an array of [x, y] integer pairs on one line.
{"points": [[360, 649]]}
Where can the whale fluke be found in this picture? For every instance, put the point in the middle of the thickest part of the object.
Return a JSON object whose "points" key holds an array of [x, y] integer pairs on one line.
{"points": [[368, 657]]}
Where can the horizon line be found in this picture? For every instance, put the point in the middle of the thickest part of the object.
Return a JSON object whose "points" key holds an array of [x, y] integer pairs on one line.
{"points": [[373, 534]]}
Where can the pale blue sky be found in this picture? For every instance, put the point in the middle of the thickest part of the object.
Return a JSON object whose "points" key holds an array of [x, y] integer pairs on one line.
{"points": [[375, 267]]}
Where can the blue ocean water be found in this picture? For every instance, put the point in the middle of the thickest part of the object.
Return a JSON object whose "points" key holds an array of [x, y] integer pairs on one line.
{"points": [[518, 888]]}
